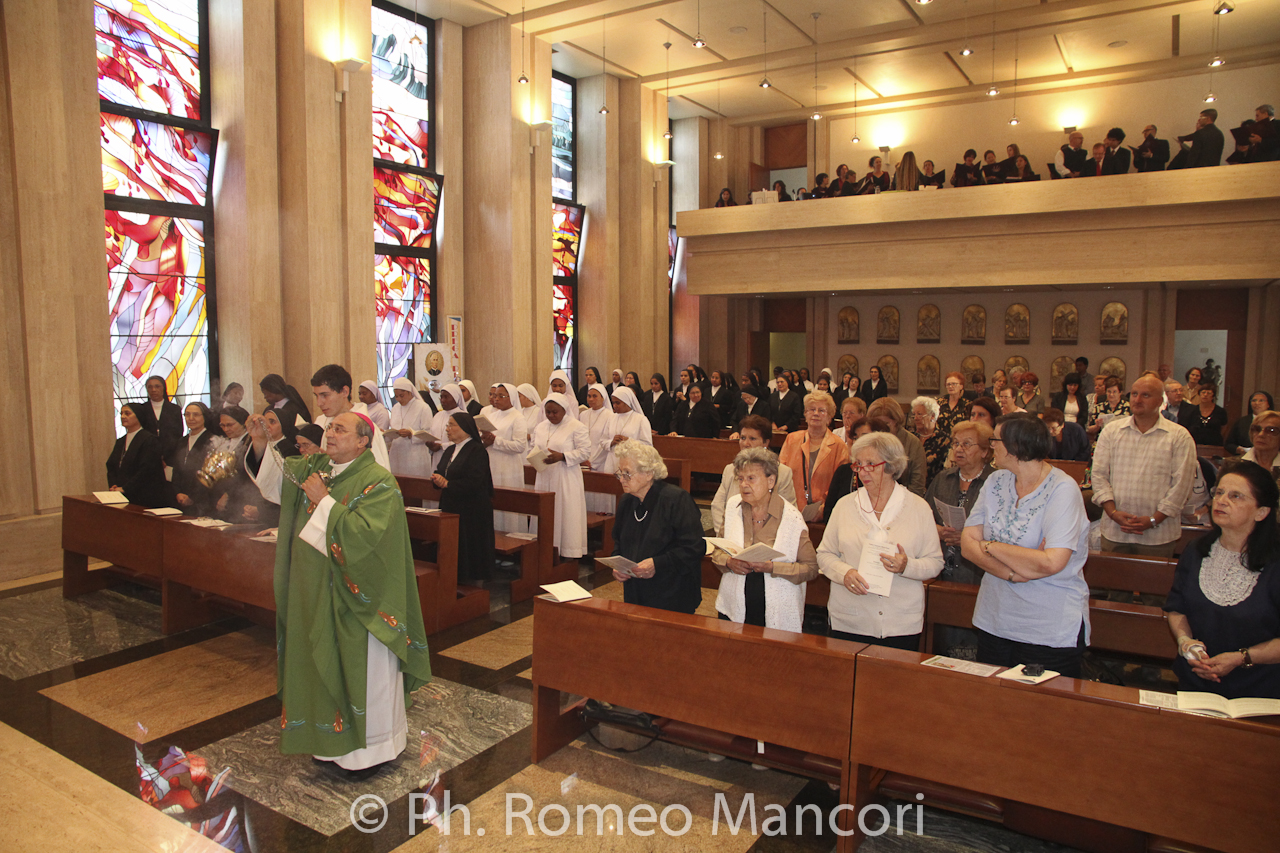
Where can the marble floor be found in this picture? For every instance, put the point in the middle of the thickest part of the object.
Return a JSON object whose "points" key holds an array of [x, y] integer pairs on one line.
{"points": [[114, 737]]}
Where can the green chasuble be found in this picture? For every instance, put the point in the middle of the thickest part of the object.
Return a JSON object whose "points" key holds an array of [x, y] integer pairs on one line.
{"points": [[327, 605]]}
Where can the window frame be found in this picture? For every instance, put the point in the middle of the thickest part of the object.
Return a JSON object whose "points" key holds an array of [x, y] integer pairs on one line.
{"points": [[573, 146]]}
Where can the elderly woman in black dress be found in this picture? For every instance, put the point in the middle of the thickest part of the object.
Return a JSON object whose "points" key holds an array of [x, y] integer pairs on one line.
{"points": [[135, 466], [659, 527], [466, 488]]}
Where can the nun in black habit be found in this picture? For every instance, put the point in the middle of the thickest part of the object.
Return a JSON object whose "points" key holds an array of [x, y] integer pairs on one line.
{"points": [[466, 488]]}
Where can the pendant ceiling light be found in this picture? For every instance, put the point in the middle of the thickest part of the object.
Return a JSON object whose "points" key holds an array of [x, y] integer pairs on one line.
{"points": [[1014, 120], [994, 90], [604, 64], [855, 140], [667, 133], [415, 39], [966, 50], [718, 155], [817, 114], [764, 28], [698, 40], [523, 78]]}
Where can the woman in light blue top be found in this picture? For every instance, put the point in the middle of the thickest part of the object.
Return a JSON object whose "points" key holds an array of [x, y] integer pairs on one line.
{"points": [[1029, 533]]}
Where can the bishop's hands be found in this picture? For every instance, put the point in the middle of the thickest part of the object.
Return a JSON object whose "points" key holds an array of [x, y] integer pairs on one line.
{"points": [[315, 488]]}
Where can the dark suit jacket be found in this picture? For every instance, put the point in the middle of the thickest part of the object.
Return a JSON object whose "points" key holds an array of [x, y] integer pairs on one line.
{"points": [[168, 428], [702, 421], [669, 532], [1206, 147], [869, 395], [788, 412], [139, 471], [761, 408], [659, 413], [186, 465], [1091, 169], [1159, 157], [1116, 162], [1074, 444]]}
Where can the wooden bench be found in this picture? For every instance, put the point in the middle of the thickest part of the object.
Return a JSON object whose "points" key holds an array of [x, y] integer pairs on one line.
{"points": [[1074, 469], [701, 455], [126, 536], [701, 678], [537, 556], [1130, 573], [1078, 762], [1129, 629]]}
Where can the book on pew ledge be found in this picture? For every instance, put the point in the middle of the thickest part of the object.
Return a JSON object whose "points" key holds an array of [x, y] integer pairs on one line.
{"points": [[216, 524], [1213, 705], [621, 565], [537, 458], [268, 535], [968, 667], [1016, 674], [423, 510], [164, 510], [566, 591], [527, 537], [111, 497], [758, 553]]}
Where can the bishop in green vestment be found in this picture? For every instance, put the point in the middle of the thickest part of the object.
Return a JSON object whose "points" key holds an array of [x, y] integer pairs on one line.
{"points": [[349, 632]]}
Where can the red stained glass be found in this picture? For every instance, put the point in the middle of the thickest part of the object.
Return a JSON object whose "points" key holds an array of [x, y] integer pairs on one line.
{"points": [[142, 159], [566, 225], [565, 311], [159, 324], [402, 312], [149, 54], [404, 208]]}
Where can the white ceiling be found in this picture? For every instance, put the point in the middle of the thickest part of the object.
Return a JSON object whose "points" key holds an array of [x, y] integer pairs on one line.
{"points": [[905, 52]]}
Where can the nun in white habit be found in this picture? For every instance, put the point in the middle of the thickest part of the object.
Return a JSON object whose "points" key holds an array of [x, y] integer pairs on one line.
{"points": [[596, 418], [378, 413], [508, 446], [565, 386], [530, 406], [567, 445], [409, 455], [628, 422]]}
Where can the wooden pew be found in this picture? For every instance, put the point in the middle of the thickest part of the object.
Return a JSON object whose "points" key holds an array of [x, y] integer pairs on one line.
{"points": [[1130, 573], [126, 536], [1130, 629], [537, 561], [702, 455], [702, 677], [1039, 755], [1076, 470]]}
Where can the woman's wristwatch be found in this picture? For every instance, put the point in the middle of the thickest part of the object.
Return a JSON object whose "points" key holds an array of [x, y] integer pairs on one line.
{"points": [[1248, 660]]}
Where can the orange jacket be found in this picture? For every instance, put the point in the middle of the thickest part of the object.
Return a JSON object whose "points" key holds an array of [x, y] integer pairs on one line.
{"points": [[795, 455]]}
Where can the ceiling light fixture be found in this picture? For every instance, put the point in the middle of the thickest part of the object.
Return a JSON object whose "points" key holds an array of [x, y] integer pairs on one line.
{"points": [[1210, 98], [523, 78], [855, 140], [966, 50], [817, 114], [667, 133], [1014, 120], [764, 28], [415, 39], [1217, 60], [718, 155], [698, 41], [604, 64], [994, 90], [1224, 7]]}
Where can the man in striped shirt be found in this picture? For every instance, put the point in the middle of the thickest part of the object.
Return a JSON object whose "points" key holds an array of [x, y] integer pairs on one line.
{"points": [[1143, 469]]}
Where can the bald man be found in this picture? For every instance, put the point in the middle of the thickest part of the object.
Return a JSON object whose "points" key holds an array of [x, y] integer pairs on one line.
{"points": [[1143, 471], [1071, 157]]}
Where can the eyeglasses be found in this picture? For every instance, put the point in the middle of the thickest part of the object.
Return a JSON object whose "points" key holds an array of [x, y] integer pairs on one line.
{"points": [[1269, 430], [965, 445], [867, 466], [993, 440], [1233, 497], [624, 476]]}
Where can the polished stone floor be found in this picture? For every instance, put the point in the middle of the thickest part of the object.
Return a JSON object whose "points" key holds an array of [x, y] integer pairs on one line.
{"points": [[104, 721]]}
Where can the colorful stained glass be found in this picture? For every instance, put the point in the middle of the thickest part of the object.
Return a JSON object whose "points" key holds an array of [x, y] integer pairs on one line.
{"points": [[159, 323], [401, 109], [403, 312], [404, 208], [566, 227], [142, 159], [562, 165], [564, 307], [149, 54]]}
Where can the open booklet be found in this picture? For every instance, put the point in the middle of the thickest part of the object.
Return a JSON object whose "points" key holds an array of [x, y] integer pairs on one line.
{"points": [[621, 565], [483, 424], [1219, 706], [111, 497], [758, 553], [952, 516], [536, 458], [422, 435]]}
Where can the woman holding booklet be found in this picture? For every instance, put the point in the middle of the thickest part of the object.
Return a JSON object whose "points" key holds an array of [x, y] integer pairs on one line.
{"points": [[1224, 608], [878, 548], [658, 532], [770, 591]]}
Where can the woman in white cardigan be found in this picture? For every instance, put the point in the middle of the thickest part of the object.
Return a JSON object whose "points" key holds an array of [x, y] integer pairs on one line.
{"points": [[768, 593], [895, 528]]}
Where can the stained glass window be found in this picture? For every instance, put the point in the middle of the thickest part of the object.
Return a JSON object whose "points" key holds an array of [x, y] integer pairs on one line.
{"points": [[401, 89], [143, 159], [566, 226], [564, 303], [157, 167], [406, 196], [149, 55], [563, 179], [156, 296]]}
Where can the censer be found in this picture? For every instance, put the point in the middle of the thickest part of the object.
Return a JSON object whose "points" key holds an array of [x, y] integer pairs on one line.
{"points": [[218, 466]]}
